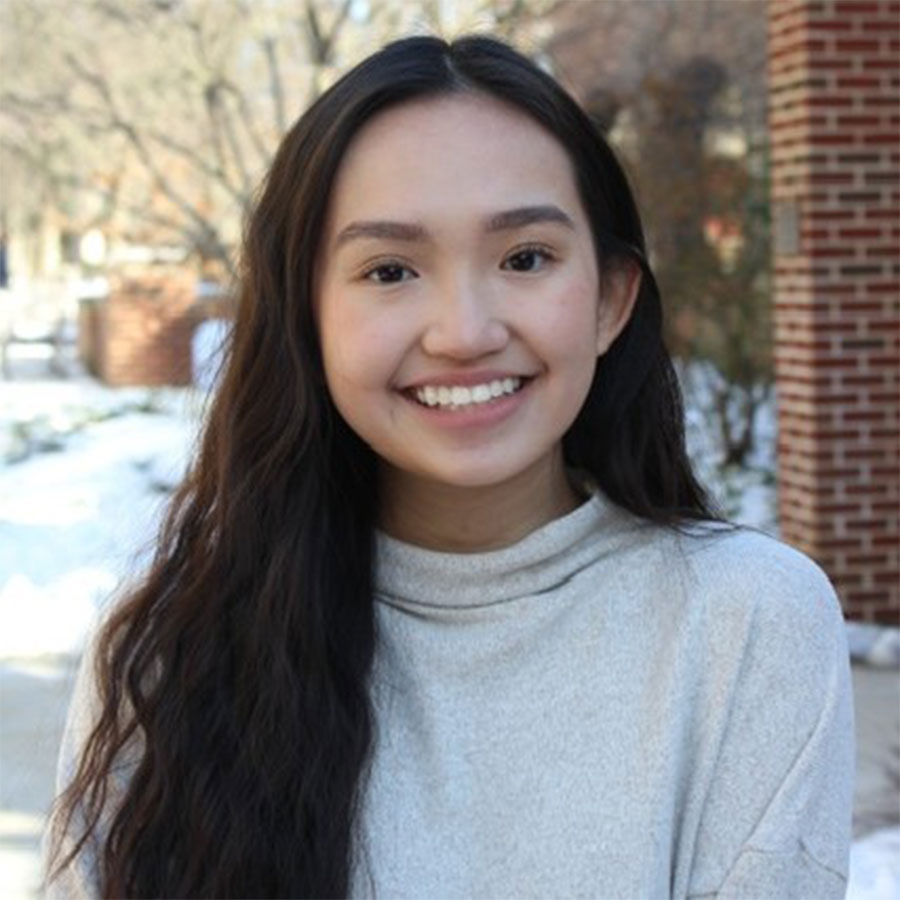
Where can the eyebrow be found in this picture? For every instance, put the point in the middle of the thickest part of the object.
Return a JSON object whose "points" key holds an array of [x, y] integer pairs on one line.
{"points": [[528, 215], [503, 221]]}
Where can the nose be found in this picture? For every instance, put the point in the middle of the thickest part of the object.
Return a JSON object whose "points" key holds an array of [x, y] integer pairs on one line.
{"points": [[464, 323]]}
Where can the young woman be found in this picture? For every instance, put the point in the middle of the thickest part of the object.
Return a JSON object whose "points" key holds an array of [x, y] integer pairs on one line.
{"points": [[441, 610]]}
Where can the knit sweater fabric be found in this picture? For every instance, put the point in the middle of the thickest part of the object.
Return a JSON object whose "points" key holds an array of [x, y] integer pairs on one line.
{"points": [[605, 709]]}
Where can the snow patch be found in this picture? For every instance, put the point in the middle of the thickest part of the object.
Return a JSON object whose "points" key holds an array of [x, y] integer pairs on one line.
{"points": [[875, 866]]}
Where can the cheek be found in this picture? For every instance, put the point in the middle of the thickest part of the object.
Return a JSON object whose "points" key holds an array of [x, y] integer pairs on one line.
{"points": [[360, 346], [569, 325]]}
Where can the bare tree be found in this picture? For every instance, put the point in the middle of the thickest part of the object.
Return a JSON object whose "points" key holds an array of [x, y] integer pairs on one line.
{"points": [[680, 89], [157, 118]]}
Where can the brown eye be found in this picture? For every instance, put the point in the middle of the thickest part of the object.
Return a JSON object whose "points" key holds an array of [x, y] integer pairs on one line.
{"points": [[531, 259], [388, 273]]}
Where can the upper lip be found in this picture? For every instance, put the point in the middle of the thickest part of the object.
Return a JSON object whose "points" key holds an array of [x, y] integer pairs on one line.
{"points": [[461, 379]]}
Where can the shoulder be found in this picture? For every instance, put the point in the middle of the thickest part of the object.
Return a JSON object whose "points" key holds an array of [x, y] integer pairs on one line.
{"points": [[738, 602], [745, 555], [769, 628], [745, 570], [711, 576], [731, 600]]}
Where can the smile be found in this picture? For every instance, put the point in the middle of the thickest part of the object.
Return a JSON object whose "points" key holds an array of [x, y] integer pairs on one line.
{"points": [[457, 397]]}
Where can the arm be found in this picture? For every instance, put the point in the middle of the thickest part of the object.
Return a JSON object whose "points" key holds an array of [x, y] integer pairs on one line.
{"points": [[776, 820]]}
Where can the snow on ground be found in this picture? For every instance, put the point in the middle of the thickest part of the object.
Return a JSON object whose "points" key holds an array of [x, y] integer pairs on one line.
{"points": [[875, 866], [85, 472], [747, 493]]}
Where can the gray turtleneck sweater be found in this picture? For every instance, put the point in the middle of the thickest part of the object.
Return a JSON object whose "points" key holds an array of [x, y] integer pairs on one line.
{"points": [[605, 709]]}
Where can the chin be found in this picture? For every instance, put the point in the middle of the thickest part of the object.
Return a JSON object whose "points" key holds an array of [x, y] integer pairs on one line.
{"points": [[486, 474], [473, 481]]}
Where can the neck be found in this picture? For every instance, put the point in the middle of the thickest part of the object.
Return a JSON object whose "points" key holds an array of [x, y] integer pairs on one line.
{"points": [[446, 517]]}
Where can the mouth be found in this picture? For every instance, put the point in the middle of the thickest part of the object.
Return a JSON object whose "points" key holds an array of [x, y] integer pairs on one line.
{"points": [[459, 397]]}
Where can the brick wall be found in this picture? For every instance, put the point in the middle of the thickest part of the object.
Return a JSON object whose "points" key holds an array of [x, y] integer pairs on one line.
{"points": [[835, 126], [141, 333]]}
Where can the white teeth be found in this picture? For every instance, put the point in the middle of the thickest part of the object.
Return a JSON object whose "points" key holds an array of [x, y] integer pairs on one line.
{"points": [[457, 396]]}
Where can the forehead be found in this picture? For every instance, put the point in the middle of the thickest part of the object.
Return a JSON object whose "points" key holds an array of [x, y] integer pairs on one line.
{"points": [[458, 154]]}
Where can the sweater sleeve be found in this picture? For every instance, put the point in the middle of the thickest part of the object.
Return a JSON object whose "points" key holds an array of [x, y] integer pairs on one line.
{"points": [[776, 820], [80, 879]]}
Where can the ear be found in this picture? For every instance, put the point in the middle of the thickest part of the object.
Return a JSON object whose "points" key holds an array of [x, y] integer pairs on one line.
{"points": [[620, 285]]}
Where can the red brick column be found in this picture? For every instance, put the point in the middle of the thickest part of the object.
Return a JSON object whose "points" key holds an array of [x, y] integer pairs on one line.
{"points": [[145, 329], [835, 126]]}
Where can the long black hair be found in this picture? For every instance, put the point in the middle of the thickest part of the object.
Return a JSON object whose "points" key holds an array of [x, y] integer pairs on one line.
{"points": [[239, 667]]}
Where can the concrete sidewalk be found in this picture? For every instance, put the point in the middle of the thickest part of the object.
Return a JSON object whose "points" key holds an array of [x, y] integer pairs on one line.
{"points": [[876, 693], [34, 696]]}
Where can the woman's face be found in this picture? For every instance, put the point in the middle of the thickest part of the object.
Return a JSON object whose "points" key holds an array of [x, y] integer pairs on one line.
{"points": [[458, 295]]}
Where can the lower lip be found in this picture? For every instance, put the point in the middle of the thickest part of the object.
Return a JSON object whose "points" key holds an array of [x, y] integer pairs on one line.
{"points": [[476, 414]]}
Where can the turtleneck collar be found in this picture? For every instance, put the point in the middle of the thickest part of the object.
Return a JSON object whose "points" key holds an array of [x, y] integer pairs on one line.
{"points": [[415, 578]]}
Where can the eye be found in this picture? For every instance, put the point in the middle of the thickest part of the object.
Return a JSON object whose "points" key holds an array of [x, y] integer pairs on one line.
{"points": [[528, 259], [388, 273]]}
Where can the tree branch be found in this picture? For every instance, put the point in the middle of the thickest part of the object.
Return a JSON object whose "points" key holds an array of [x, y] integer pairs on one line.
{"points": [[320, 43], [216, 173], [335, 29], [160, 181], [224, 118], [211, 100], [262, 148], [276, 88]]}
